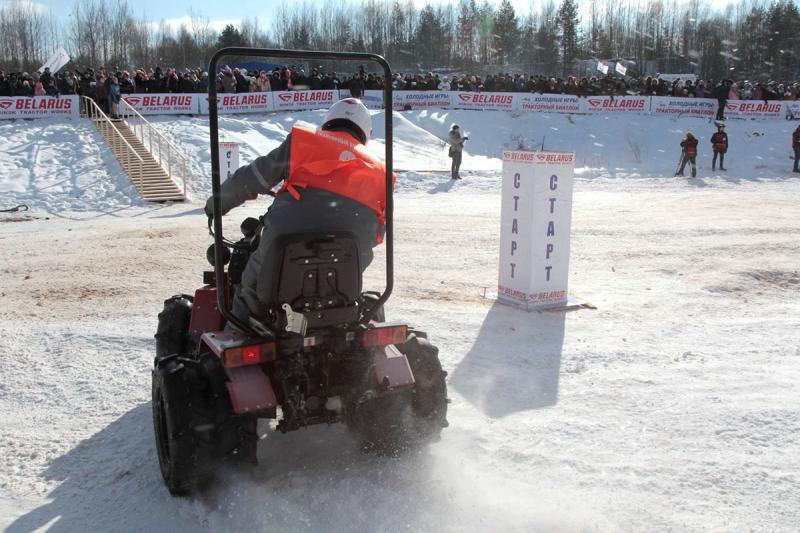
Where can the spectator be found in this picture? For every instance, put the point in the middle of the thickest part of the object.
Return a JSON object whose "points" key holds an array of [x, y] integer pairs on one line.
{"points": [[688, 154], [796, 148], [456, 142], [719, 143], [114, 96]]}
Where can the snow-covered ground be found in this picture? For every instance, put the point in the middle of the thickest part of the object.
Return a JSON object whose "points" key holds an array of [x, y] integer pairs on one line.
{"points": [[673, 406]]}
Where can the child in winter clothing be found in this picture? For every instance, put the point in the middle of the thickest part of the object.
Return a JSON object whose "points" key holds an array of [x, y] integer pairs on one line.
{"points": [[719, 142], [689, 145]]}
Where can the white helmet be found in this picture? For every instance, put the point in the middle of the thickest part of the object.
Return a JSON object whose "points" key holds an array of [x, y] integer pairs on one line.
{"points": [[349, 112]]}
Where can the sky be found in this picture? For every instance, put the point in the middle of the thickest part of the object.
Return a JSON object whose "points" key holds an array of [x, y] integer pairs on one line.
{"points": [[221, 13]]}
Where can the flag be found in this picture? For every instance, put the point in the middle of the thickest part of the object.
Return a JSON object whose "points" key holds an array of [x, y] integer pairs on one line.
{"points": [[56, 61], [602, 67], [621, 69]]}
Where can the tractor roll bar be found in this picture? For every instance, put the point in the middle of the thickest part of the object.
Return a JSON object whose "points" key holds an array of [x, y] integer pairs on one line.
{"points": [[219, 267]]}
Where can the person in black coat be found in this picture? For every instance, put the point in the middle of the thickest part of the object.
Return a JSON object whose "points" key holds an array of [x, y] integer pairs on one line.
{"points": [[721, 93]]}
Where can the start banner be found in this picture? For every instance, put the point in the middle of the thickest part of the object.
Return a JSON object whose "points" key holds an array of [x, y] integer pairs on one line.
{"points": [[692, 107], [39, 107], [615, 104], [754, 109], [164, 104], [549, 103], [484, 101], [303, 100], [535, 224]]}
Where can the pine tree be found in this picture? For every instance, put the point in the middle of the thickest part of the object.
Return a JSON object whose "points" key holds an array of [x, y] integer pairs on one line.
{"points": [[506, 32], [568, 22], [230, 36]]}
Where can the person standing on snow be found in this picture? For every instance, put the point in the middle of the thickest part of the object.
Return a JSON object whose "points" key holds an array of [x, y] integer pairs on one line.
{"points": [[689, 145], [330, 183], [796, 148], [719, 142], [456, 142]]}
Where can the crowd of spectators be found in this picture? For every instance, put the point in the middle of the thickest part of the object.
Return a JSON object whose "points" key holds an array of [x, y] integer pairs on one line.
{"points": [[99, 83]]}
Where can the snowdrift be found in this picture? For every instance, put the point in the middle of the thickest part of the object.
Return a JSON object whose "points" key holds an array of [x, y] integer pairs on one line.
{"points": [[61, 166]]}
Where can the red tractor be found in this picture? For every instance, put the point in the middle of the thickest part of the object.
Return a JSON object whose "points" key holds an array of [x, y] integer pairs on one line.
{"points": [[325, 356]]}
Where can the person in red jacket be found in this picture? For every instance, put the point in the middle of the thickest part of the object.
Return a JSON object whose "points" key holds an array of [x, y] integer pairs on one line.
{"points": [[330, 182], [796, 147], [689, 146], [719, 143]]}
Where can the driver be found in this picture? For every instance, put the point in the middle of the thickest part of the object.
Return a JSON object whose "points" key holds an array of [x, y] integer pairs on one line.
{"points": [[330, 183]]}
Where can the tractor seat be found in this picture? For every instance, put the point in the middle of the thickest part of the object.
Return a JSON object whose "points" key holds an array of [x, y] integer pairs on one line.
{"points": [[319, 276]]}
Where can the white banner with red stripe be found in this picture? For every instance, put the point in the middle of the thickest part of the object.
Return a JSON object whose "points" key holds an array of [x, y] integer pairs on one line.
{"points": [[754, 109], [690, 107], [39, 107], [164, 104], [615, 104]]}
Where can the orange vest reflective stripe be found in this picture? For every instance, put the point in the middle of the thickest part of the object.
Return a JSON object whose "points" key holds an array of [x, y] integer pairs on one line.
{"points": [[335, 161]]}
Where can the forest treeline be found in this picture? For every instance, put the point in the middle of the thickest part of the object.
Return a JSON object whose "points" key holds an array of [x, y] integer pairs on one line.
{"points": [[751, 39]]}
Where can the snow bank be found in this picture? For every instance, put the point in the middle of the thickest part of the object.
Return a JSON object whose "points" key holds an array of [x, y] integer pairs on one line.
{"points": [[60, 166]]}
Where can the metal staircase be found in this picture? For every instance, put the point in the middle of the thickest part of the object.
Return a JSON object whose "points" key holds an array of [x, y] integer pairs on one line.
{"points": [[156, 168]]}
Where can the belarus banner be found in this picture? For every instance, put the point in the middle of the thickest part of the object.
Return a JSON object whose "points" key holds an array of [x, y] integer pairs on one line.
{"points": [[692, 107], [615, 104], [164, 104], [422, 99], [548, 103], [39, 107], [484, 101], [754, 109], [239, 103], [302, 100]]}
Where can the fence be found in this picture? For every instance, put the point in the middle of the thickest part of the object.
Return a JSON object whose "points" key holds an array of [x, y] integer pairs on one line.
{"points": [[168, 104]]}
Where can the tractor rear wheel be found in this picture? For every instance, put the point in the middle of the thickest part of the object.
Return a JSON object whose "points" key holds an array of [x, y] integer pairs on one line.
{"points": [[177, 447], [172, 335], [399, 421]]}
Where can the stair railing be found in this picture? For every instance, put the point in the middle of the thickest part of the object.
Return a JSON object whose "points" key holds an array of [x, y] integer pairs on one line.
{"points": [[131, 162], [169, 157]]}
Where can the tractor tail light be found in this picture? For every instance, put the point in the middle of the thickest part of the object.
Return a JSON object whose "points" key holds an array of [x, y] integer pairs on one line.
{"points": [[253, 354], [384, 336]]}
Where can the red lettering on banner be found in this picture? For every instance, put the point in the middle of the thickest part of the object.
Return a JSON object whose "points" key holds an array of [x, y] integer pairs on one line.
{"points": [[166, 101], [478, 98]]}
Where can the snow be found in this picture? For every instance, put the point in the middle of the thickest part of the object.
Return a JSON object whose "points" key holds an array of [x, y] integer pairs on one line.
{"points": [[673, 406]]}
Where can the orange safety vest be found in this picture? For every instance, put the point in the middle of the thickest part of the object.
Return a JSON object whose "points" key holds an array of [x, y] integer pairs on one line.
{"points": [[336, 162]]}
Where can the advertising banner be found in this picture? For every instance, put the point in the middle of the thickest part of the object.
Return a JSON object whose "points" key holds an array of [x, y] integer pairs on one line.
{"points": [[536, 216], [372, 99], [303, 100], [422, 99], [691, 107], [615, 104], [239, 103], [39, 107], [673, 77], [165, 104], [548, 103], [754, 109], [792, 109], [228, 160], [484, 101]]}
